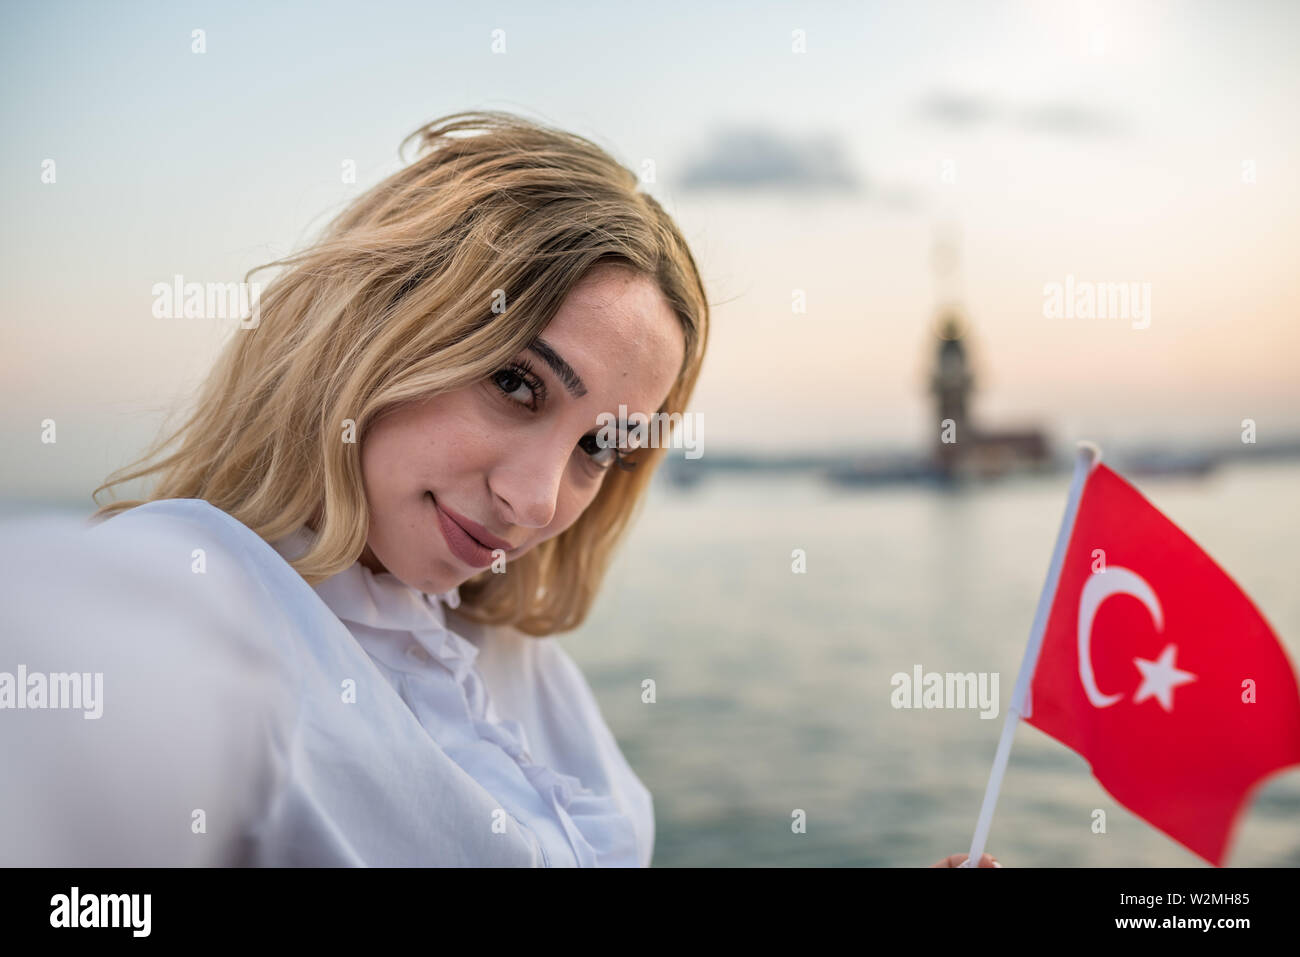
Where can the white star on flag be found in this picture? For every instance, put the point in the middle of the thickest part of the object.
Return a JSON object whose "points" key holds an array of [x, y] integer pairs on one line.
{"points": [[1160, 678]]}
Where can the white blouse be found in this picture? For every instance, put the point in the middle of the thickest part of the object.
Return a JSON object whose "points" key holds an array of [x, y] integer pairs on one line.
{"points": [[269, 722]]}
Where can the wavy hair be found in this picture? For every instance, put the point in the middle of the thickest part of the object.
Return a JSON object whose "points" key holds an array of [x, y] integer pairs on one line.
{"points": [[395, 303]]}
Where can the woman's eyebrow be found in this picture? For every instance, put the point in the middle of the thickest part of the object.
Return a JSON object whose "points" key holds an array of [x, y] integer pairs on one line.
{"points": [[563, 371]]}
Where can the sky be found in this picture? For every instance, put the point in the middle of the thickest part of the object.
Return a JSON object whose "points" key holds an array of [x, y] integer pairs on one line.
{"points": [[808, 151]]}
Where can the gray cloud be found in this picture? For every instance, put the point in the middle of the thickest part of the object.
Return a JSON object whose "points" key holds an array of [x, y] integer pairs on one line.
{"points": [[954, 109], [1070, 118], [1062, 117], [754, 158]]}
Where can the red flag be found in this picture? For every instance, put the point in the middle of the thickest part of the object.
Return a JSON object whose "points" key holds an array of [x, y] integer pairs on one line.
{"points": [[1158, 670]]}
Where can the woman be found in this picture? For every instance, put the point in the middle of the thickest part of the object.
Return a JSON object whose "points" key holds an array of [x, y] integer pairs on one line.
{"points": [[394, 486]]}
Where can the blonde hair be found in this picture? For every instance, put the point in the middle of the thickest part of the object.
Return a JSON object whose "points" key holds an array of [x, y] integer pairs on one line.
{"points": [[394, 304]]}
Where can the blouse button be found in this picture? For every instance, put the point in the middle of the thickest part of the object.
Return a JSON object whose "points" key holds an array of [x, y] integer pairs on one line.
{"points": [[417, 652]]}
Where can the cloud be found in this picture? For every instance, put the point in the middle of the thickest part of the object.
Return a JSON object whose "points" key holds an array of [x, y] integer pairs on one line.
{"points": [[1070, 118], [954, 109], [755, 158], [1062, 117]]}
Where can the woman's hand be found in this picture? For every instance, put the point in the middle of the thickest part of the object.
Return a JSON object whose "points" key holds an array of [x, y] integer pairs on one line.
{"points": [[956, 860]]}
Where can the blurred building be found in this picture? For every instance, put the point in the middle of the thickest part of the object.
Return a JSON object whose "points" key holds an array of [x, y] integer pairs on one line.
{"points": [[962, 445]]}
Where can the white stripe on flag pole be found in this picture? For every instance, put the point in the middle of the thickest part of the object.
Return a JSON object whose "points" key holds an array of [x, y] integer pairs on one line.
{"points": [[1088, 456]]}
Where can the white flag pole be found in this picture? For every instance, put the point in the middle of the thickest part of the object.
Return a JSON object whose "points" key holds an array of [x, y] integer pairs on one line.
{"points": [[1088, 455]]}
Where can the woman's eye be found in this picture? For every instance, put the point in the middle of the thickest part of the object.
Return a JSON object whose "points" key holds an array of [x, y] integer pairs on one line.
{"points": [[514, 387], [603, 456]]}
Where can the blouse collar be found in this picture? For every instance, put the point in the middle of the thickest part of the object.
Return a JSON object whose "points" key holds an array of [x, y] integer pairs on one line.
{"points": [[380, 601]]}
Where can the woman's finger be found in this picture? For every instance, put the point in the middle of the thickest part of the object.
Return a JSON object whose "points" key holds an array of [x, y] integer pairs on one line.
{"points": [[956, 860]]}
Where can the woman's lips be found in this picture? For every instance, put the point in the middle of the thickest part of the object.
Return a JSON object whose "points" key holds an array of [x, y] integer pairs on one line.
{"points": [[477, 531], [462, 544]]}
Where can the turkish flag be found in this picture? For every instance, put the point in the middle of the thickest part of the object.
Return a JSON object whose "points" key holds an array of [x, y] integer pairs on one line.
{"points": [[1158, 670]]}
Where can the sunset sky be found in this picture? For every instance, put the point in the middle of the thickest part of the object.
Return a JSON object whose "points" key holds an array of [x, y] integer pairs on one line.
{"points": [[1112, 142]]}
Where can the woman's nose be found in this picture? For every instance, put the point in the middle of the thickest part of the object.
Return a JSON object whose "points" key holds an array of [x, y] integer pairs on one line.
{"points": [[527, 482]]}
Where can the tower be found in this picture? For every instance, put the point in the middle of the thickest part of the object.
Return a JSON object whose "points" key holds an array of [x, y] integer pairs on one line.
{"points": [[951, 383]]}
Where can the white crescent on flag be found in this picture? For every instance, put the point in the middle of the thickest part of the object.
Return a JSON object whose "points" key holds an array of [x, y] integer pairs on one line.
{"points": [[1100, 586]]}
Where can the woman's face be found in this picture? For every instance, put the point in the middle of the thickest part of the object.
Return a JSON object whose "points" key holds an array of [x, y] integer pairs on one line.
{"points": [[513, 460]]}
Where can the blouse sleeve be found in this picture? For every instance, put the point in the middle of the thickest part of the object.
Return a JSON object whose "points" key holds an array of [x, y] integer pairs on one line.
{"points": [[148, 699]]}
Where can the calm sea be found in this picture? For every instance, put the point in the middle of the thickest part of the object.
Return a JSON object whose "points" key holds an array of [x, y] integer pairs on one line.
{"points": [[773, 688]]}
